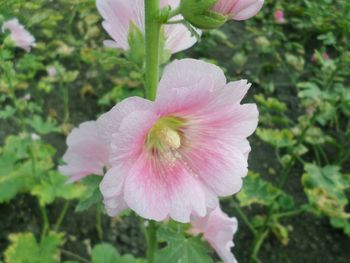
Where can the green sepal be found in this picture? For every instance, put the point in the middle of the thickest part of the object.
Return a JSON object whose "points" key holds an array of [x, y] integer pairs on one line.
{"points": [[136, 40], [199, 14]]}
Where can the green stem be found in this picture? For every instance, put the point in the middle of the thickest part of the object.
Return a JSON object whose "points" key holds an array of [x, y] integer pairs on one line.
{"points": [[152, 47], [61, 216], [45, 218], [259, 239], [151, 237], [244, 218]]}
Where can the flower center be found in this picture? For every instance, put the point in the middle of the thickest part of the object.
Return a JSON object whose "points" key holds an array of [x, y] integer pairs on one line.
{"points": [[165, 135]]}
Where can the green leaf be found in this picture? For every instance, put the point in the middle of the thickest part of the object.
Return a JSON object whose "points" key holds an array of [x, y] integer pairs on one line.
{"points": [[277, 138], [25, 249], [325, 188], [342, 224], [92, 194], [130, 259], [41, 126], [182, 249], [258, 191], [54, 186], [104, 253]]}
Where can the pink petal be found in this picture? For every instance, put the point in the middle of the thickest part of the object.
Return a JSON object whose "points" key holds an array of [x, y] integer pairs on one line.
{"points": [[246, 9], [119, 14], [188, 84], [86, 154], [110, 122], [157, 192], [221, 167], [19, 34], [218, 229]]}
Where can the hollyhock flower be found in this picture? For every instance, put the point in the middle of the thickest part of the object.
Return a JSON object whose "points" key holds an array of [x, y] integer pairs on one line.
{"points": [[238, 9], [172, 157], [279, 16], [118, 15], [19, 35], [218, 229]]}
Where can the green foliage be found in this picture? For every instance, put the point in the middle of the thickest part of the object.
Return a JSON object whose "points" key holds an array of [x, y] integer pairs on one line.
{"points": [[92, 194], [180, 248], [325, 188], [106, 253], [54, 186], [25, 249], [259, 191]]}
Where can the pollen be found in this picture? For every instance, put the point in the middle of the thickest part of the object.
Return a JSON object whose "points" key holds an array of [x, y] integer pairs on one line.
{"points": [[171, 138], [166, 135]]}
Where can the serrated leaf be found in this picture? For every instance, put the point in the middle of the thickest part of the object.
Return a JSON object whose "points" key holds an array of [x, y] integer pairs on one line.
{"points": [[54, 186], [325, 188], [104, 253], [24, 248], [41, 126], [181, 249], [258, 191]]}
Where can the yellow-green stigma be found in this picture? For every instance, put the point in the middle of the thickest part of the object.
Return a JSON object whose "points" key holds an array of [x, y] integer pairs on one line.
{"points": [[165, 135]]}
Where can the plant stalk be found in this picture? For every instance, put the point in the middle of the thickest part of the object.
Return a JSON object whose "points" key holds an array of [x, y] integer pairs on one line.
{"points": [[152, 35], [151, 236]]}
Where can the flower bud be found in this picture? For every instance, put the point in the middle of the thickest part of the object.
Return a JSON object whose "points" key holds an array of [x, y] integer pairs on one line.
{"points": [[238, 9], [200, 14]]}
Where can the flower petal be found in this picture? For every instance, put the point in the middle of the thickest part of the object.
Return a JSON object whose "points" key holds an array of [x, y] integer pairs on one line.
{"points": [[86, 154], [109, 122]]}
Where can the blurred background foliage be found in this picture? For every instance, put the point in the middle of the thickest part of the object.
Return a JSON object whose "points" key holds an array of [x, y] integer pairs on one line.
{"points": [[294, 203]]}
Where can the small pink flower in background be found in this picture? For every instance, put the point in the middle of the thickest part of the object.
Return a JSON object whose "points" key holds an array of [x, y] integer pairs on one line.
{"points": [[51, 71], [19, 35], [279, 16], [218, 229], [238, 9], [325, 56], [119, 14], [172, 157]]}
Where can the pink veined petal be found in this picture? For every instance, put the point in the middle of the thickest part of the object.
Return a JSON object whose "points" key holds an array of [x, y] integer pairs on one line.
{"points": [[178, 37], [117, 15], [219, 166], [188, 72], [247, 9], [218, 229], [113, 182], [156, 192], [109, 123], [128, 143], [188, 85], [224, 6], [86, 154]]}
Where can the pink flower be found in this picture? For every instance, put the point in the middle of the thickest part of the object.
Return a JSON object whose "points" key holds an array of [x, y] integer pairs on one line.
{"points": [[325, 56], [279, 16], [218, 229], [238, 9], [119, 14], [22, 38], [173, 157]]}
